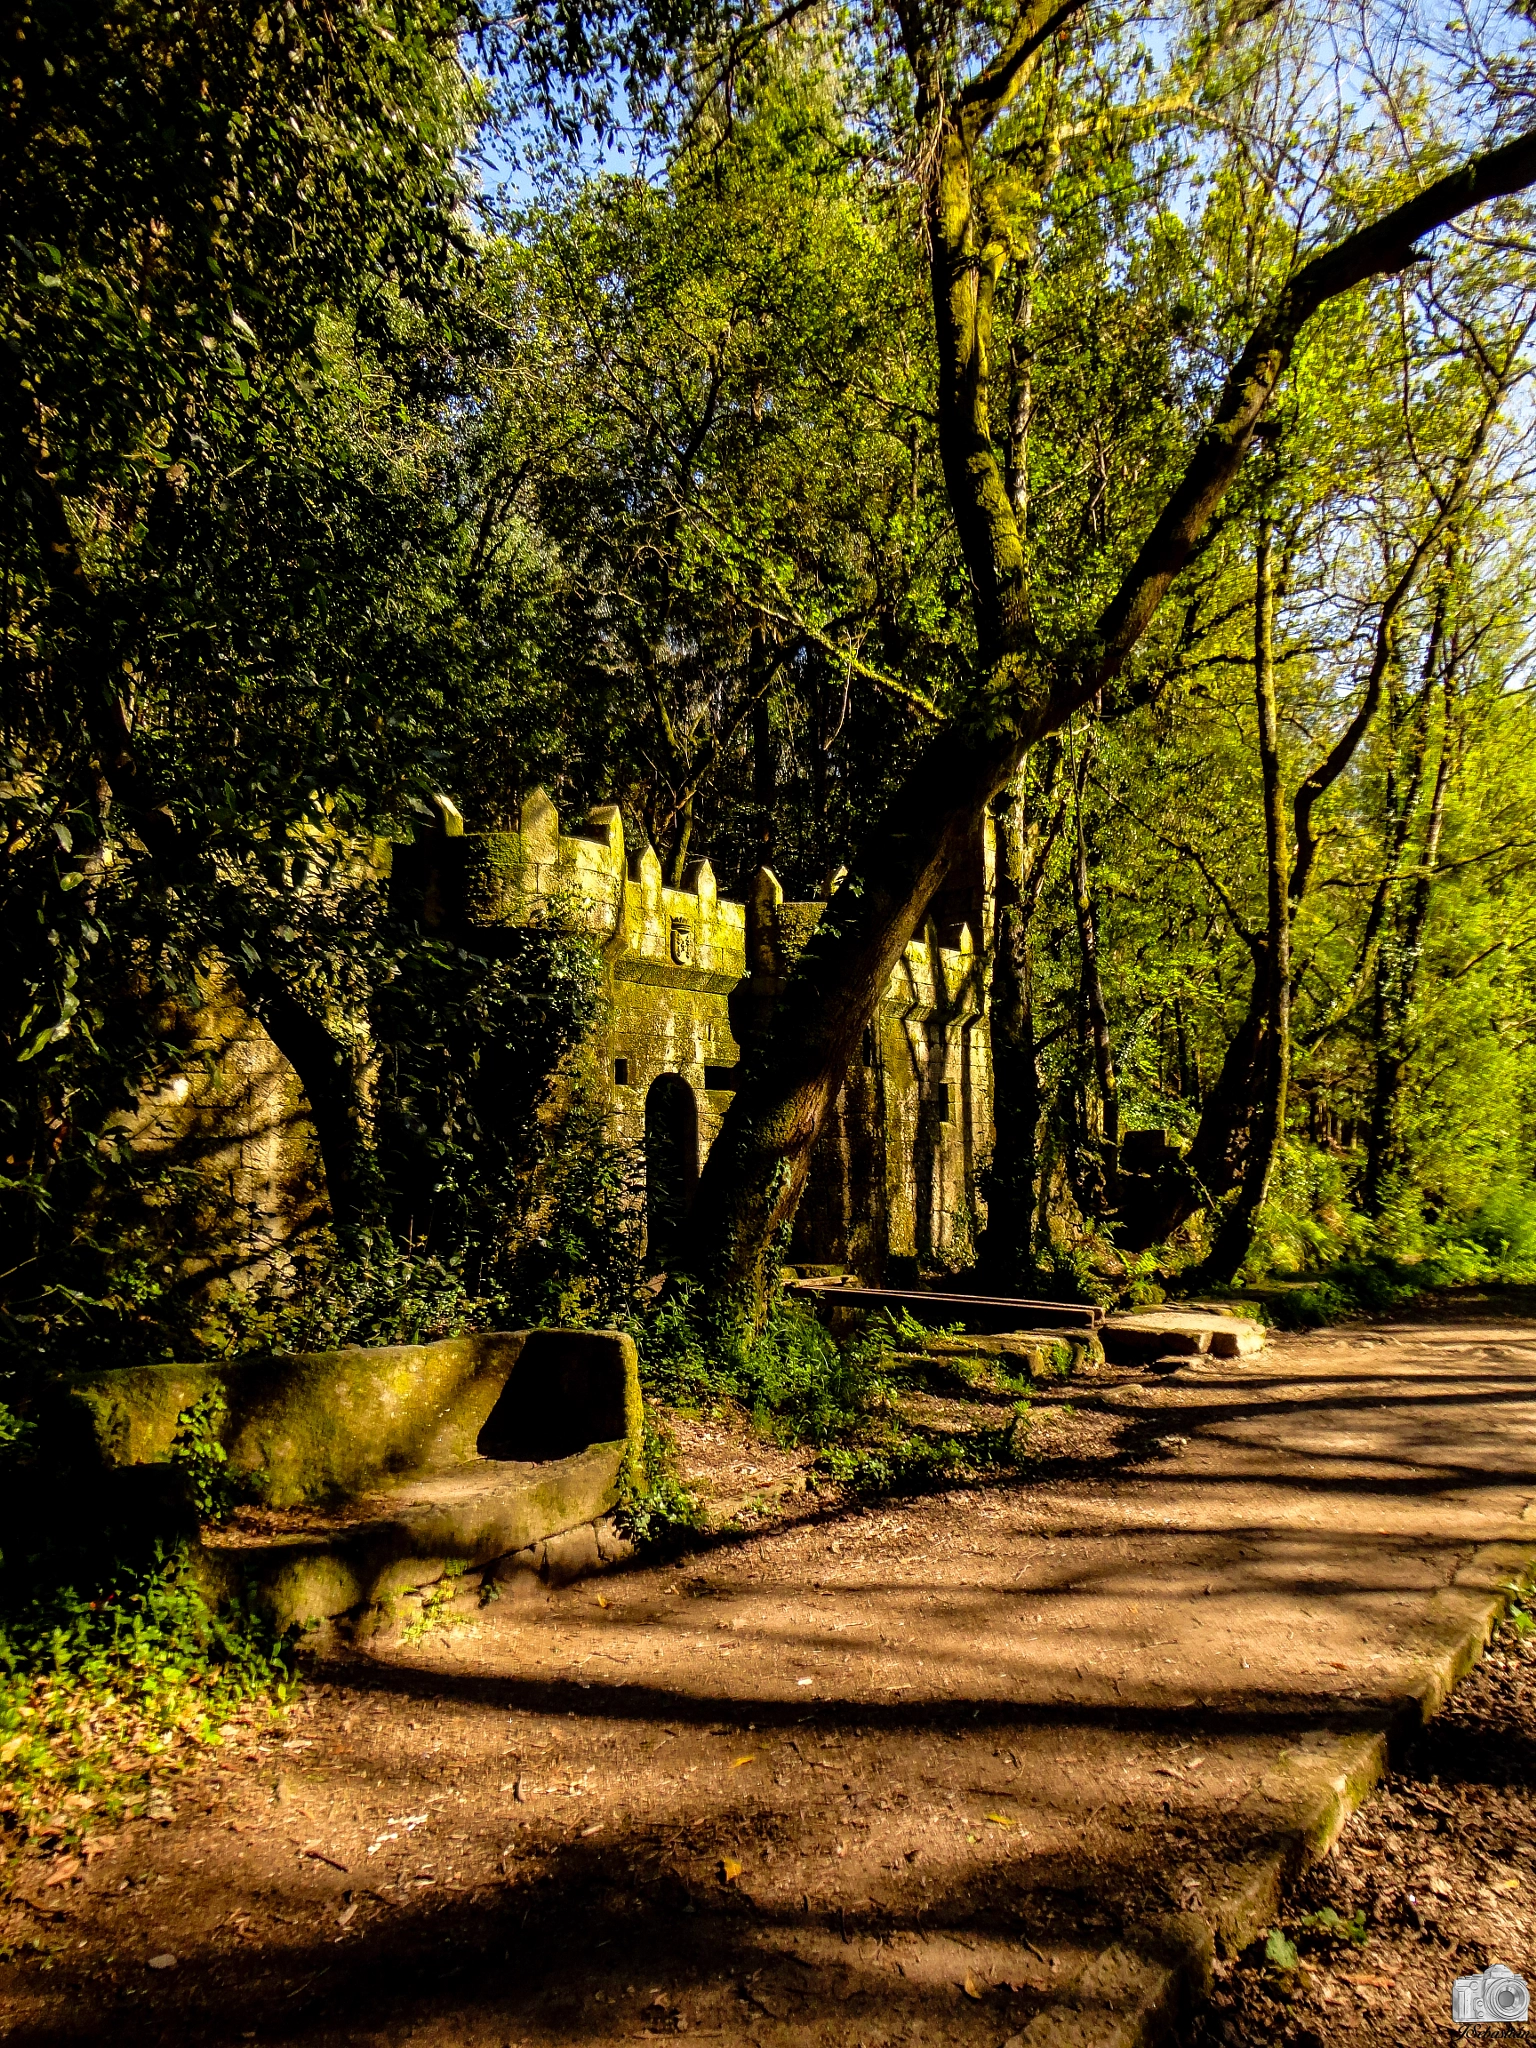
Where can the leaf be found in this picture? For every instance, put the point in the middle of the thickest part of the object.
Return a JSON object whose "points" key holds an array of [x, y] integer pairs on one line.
{"points": [[1279, 1951], [738, 1761], [730, 1870], [972, 1988], [1000, 1819]]}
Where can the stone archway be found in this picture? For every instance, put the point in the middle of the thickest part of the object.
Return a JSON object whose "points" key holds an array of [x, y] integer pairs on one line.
{"points": [[671, 1165]]}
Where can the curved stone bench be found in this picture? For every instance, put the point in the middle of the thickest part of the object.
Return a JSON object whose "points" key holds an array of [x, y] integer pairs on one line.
{"points": [[379, 1470]]}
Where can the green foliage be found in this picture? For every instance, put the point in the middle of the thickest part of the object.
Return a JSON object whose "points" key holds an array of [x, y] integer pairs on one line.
{"points": [[233, 241], [800, 1386], [793, 1379], [328, 493], [436, 1610], [17, 1435], [1330, 1923], [103, 1694], [905, 1460], [324, 1296], [1504, 1225], [470, 1044], [655, 1510], [1280, 1951], [1520, 1611], [197, 1450]]}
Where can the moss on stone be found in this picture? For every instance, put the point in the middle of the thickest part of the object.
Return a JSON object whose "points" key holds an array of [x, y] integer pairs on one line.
{"points": [[458, 1521], [325, 1425]]}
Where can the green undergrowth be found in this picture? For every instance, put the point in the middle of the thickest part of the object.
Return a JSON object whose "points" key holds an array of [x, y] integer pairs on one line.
{"points": [[797, 1385], [116, 1673], [105, 1695], [655, 1510], [1375, 1287]]}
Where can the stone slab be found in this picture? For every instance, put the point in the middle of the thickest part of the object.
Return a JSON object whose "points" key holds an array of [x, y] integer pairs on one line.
{"points": [[1172, 1333], [314, 1568], [326, 1425], [1039, 1352]]}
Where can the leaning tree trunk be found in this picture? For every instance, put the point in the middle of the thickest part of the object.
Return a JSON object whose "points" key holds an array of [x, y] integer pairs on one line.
{"points": [[758, 1164]]}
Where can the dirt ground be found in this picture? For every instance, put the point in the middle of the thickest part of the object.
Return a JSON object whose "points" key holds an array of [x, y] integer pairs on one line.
{"points": [[867, 1775]]}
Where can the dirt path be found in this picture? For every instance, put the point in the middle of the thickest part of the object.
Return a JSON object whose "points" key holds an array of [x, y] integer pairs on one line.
{"points": [[1441, 1867], [865, 1777]]}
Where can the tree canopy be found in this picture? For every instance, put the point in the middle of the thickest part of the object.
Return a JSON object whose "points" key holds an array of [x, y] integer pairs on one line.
{"points": [[1111, 422]]}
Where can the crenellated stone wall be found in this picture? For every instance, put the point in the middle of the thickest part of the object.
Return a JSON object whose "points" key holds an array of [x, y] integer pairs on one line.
{"points": [[689, 975]]}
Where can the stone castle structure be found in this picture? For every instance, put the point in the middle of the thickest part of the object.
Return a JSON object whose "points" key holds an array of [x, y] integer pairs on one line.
{"points": [[688, 975]]}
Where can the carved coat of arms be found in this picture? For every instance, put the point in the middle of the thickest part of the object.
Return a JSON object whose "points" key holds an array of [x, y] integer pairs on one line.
{"points": [[682, 942]]}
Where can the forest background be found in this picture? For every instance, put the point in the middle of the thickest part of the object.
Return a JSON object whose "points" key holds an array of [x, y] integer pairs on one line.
{"points": [[365, 439]]}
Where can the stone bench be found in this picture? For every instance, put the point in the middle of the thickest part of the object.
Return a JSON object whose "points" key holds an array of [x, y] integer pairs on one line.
{"points": [[1175, 1333], [376, 1471]]}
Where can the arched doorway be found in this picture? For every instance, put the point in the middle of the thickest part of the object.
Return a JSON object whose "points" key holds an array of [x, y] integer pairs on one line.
{"points": [[671, 1165]]}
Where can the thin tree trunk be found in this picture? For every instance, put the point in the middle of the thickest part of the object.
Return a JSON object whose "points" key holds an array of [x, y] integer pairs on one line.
{"points": [[1396, 986], [1023, 848], [765, 795], [1092, 1008], [1234, 1238]]}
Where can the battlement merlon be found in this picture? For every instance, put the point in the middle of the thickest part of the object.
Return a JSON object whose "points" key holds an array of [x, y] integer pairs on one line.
{"points": [[536, 871], [487, 880], [932, 978]]}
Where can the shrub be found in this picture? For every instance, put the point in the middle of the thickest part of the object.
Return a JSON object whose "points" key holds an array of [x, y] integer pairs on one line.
{"points": [[100, 1691]]}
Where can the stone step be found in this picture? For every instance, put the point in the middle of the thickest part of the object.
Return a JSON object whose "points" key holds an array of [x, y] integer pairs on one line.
{"points": [[1038, 1352], [1179, 1333]]}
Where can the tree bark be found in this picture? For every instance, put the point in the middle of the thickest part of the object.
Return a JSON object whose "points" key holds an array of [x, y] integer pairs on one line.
{"points": [[1397, 976], [1234, 1237], [1091, 1005], [1023, 847], [1218, 1157]]}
